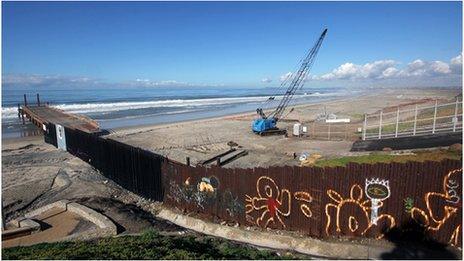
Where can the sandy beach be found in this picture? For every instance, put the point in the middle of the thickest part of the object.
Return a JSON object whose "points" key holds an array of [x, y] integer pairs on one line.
{"points": [[35, 173], [205, 138]]}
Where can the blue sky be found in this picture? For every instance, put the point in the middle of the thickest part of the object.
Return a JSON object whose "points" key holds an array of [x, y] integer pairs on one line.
{"points": [[230, 43]]}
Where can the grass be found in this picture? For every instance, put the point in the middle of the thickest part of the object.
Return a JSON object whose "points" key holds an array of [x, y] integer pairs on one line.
{"points": [[149, 245], [382, 157]]}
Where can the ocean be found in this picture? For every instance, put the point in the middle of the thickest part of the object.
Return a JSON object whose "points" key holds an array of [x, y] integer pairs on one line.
{"points": [[135, 106]]}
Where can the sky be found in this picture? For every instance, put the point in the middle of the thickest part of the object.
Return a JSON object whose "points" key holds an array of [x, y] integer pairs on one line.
{"points": [[230, 44]]}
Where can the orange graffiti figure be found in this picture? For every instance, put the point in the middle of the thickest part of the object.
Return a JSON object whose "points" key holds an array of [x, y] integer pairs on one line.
{"points": [[446, 218], [271, 200], [351, 215], [306, 198]]}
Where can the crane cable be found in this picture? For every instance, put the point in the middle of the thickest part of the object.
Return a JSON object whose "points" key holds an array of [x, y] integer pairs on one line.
{"points": [[267, 104]]}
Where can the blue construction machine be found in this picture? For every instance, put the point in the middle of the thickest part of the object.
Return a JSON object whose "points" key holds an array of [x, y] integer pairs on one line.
{"points": [[267, 124]]}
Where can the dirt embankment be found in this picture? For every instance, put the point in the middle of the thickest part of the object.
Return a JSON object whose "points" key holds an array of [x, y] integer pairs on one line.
{"points": [[36, 174]]}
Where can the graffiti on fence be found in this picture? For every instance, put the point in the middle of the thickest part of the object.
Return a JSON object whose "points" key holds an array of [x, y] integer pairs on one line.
{"points": [[309, 203], [233, 205], [361, 224], [201, 194], [377, 191], [205, 193], [452, 187], [306, 199], [435, 219], [271, 202], [182, 193], [357, 213], [408, 204]]}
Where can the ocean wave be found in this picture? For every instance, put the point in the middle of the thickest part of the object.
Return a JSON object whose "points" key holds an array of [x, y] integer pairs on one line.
{"points": [[84, 108]]}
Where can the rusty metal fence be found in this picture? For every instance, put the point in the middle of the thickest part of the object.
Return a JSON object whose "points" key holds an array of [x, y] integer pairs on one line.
{"points": [[133, 168], [357, 200]]}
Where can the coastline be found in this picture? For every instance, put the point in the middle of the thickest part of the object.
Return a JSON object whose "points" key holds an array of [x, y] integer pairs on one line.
{"points": [[248, 115], [34, 171], [137, 124], [202, 139]]}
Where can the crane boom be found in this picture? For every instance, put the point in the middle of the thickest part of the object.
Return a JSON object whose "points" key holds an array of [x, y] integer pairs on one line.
{"points": [[298, 79]]}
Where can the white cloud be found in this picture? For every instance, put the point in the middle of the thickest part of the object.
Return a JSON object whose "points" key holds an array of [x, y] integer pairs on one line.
{"points": [[266, 80], [418, 70], [389, 72], [456, 64], [351, 71], [39, 81], [27, 80], [457, 60]]}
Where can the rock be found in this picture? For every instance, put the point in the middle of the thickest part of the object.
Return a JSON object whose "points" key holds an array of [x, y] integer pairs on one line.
{"points": [[457, 147], [387, 149], [232, 144]]}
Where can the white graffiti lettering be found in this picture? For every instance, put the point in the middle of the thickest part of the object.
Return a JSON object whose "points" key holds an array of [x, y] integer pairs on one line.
{"points": [[452, 185]]}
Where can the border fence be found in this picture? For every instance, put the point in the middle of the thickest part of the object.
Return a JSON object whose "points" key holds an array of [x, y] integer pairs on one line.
{"points": [[133, 168], [415, 121], [359, 200]]}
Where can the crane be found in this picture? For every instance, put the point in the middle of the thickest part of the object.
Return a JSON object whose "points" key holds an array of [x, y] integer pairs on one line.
{"points": [[266, 124]]}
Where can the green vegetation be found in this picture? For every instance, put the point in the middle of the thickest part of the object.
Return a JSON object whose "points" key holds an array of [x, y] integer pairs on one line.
{"points": [[150, 245], [436, 155]]}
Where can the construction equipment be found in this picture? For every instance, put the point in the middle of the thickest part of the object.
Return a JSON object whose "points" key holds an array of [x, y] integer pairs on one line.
{"points": [[266, 124]]}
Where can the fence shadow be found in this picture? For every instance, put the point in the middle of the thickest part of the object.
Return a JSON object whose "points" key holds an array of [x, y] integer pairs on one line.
{"points": [[412, 241]]}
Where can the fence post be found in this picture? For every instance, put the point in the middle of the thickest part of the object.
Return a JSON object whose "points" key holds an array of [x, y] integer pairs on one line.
{"points": [[434, 117], [397, 121], [415, 121], [25, 100], [364, 126], [455, 119], [380, 125]]}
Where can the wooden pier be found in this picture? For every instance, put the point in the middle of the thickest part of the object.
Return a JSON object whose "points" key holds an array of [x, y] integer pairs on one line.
{"points": [[41, 114]]}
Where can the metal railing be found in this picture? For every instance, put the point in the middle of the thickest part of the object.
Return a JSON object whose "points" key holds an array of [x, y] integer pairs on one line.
{"points": [[334, 131], [440, 118]]}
